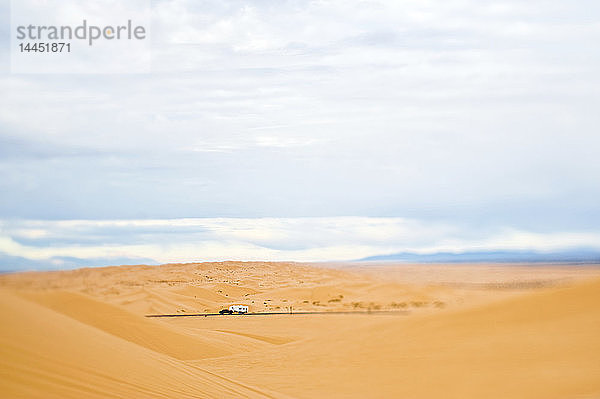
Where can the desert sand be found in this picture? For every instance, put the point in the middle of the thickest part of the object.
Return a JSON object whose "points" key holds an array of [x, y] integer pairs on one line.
{"points": [[408, 331]]}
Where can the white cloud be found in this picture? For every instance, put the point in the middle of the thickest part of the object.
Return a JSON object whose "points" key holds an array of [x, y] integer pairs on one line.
{"points": [[297, 239], [480, 114]]}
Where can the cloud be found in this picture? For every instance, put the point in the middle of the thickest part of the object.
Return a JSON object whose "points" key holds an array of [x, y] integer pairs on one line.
{"points": [[477, 114], [56, 244]]}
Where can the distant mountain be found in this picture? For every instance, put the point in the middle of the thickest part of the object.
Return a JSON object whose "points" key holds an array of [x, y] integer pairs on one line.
{"points": [[10, 263], [575, 256]]}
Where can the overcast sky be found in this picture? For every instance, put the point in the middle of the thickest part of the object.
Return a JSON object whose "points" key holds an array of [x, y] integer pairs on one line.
{"points": [[464, 124]]}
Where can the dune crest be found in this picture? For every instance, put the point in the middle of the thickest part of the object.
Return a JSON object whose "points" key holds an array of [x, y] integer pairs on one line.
{"points": [[45, 354]]}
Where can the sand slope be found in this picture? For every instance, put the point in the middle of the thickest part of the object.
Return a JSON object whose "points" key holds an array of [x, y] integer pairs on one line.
{"points": [[542, 345], [44, 354], [465, 331], [128, 326]]}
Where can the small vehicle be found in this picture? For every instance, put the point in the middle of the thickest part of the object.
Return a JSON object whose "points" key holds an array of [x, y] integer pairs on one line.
{"points": [[241, 309], [225, 311]]}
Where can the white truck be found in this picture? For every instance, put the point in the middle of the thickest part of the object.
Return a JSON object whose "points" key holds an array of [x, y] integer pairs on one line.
{"points": [[238, 309]]}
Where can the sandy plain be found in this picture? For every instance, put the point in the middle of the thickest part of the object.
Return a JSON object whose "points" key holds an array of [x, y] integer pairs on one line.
{"points": [[448, 331]]}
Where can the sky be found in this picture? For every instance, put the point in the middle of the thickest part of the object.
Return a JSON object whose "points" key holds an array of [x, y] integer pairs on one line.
{"points": [[310, 130]]}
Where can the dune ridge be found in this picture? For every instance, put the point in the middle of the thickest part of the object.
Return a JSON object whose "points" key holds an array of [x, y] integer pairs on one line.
{"points": [[48, 355]]}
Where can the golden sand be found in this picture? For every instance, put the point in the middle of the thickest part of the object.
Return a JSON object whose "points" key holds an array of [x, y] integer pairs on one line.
{"points": [[450, 331]]}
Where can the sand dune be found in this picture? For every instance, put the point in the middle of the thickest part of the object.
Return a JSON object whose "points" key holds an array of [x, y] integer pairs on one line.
{"points": [[133, 328], [465, 331], [542, 345], [48, 355]]}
